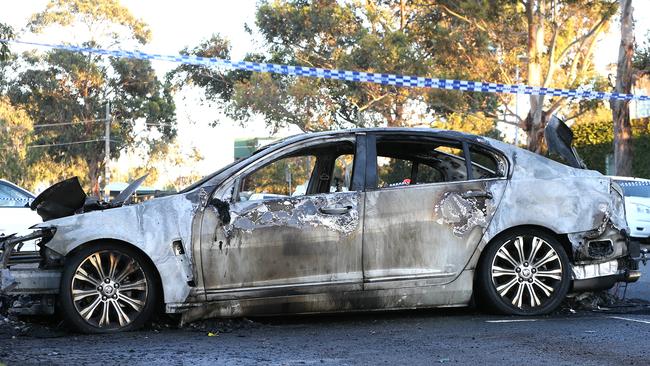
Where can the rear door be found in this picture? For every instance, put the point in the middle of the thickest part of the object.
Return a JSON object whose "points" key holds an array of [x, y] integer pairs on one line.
{"points": [[426, 207]]}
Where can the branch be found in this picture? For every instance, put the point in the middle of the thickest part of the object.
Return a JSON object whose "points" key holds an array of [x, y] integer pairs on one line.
{"points": [[551, 63], [556, 105], [458, 16], [581, 39], [580, 113]]}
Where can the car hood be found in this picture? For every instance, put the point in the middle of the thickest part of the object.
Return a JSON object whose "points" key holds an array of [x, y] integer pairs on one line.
{"points": [[61, 199], [67, 197]]}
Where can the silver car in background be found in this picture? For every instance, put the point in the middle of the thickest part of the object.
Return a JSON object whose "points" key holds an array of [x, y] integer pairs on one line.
{"points": [[637, 206], [15, 215]]}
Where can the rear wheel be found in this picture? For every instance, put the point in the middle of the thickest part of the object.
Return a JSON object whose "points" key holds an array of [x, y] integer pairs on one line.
{"points": [[107, 288], [524, 273]]}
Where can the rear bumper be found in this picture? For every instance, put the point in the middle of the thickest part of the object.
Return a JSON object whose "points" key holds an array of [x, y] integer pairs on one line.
{"points": [[603, 275]]}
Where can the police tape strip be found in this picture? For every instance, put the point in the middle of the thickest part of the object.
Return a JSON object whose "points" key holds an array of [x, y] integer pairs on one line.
{"points": [[344, 75]]}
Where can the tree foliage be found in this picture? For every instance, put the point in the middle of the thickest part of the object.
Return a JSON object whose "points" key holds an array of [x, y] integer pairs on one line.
{"points": [[15, 136], [66, 93], [6, 32], [412, 38], [642, 57], [594, 137], [100, 18], [464, 39]]}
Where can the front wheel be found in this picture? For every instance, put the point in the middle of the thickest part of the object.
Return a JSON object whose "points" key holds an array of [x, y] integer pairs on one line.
{"points": [[524, 273], [107, 288]]}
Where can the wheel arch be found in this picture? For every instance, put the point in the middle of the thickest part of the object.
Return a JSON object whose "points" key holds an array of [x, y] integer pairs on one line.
{"points": [[121, 243]]}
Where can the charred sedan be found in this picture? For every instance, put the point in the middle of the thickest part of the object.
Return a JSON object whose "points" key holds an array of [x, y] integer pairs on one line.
{"points": [[337, 221]]}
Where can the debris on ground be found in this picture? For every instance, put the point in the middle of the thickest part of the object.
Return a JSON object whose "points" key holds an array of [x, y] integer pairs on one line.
{"points": [[12, 327], [604, 301], [218, 326], [212, 327]]}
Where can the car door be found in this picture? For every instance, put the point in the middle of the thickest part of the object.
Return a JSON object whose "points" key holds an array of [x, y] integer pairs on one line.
{"points": [[427, 206], [295, 224]]}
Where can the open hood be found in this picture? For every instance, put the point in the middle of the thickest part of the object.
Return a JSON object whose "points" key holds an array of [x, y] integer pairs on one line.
{"points": [[559, 139], [60, 200], [66, 198]]}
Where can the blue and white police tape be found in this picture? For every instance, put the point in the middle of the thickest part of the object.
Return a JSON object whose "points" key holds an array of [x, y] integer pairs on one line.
{"points": [[355, 76]]}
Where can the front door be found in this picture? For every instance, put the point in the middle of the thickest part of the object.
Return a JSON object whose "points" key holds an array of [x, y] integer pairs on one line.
{"points": [[427, 210], [295, 226]]}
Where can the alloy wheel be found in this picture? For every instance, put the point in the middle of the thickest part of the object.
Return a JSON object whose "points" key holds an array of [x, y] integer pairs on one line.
{"points": [[109, 289], [526, 272]]}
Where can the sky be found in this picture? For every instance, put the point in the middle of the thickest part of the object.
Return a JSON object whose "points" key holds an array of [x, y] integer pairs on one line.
{"points": [[176, 25]]}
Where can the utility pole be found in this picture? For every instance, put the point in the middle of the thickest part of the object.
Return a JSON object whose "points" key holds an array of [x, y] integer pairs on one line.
{"points": [[107, 149], [517, 106]]}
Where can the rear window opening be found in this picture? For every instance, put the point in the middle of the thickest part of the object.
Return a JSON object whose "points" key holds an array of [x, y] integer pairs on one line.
{"points": [[403, 162]]}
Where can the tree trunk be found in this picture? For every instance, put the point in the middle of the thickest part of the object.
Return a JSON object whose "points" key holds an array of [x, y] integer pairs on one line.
{"points": [[535, 119], [94, 171], [621, 108]]}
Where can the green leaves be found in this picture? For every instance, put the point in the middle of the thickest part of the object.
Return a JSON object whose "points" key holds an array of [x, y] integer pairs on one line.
{"points": [[66, 93], [407, 38], [15, 134], [6, 32], [107, 16]]}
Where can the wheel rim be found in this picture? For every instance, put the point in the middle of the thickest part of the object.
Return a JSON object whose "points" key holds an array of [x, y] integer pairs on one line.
{"points": [[109, 289], [526, 272]]}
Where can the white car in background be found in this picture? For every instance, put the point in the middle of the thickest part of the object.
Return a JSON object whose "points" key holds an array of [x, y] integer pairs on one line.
{"points": [[15, 215], [637, 206]]}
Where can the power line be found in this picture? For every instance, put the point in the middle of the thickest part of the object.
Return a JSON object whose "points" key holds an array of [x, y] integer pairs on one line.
{"points": [[70, 143], [68, 123]]}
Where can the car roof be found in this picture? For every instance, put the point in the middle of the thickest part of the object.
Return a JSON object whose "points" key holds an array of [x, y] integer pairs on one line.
{"points": [[397, 130]]}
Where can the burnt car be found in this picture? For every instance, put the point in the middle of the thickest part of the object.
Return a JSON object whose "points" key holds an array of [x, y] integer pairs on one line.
{"points": [[348, 220]]}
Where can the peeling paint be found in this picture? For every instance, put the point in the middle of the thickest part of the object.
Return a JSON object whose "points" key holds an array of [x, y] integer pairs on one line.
{"points": [[298, 213], [463, 214]]}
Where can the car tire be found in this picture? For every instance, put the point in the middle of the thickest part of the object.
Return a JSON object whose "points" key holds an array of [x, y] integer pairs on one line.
{"points": [[525, 272], [107, 288]]}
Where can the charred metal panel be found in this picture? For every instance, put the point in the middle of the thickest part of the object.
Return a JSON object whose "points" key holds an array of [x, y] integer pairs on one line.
{"points": [[457, 293], [151, 226], [577, 202], [283, 244], [426, 231]]}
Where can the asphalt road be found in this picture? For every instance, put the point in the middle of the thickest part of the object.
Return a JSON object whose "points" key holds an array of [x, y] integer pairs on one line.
{"points": [[619, 336]]}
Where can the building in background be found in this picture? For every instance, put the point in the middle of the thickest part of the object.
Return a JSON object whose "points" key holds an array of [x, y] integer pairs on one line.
{"points": [[640, 108], [245, 147]]}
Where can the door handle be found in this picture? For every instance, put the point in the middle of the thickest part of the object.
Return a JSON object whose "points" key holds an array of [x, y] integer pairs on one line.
{"points": [[335, 210], [477, 194]]}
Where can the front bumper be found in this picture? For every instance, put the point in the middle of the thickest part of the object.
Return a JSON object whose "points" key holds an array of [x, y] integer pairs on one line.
{"points": [[29, 288]]}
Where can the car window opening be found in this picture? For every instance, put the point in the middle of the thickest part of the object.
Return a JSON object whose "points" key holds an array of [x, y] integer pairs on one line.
{"points": [[412, 162], [324, 168]]}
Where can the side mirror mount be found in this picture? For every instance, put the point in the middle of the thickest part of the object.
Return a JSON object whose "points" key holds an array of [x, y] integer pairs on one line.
{"points": [[223, 209]]}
